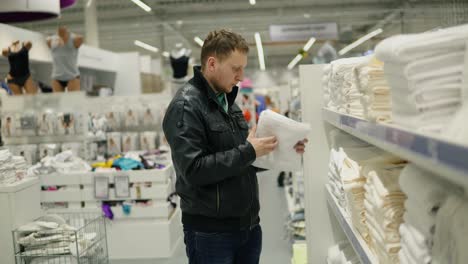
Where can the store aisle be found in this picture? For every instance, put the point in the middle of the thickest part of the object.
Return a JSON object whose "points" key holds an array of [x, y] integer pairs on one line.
{"points": [[276, 250]]}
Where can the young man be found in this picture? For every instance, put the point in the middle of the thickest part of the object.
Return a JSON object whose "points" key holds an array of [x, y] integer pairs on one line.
{"points": [[213, 152]]}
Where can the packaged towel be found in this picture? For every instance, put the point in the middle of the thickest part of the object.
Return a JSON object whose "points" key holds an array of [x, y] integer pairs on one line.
{"points": [[288, 132]]}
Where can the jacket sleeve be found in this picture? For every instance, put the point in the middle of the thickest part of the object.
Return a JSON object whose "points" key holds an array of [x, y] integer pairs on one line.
{"points": [[184, 129]]}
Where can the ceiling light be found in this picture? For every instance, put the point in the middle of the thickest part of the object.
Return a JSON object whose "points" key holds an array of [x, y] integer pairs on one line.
{"points": [[252, 2], [360, 41], [88, 4], [146, 46], [294, 61], [306, 15], [198, 40], [261, 58], [309, 44], [142, 5], [179, 22], [166, 54], [298, 57]]}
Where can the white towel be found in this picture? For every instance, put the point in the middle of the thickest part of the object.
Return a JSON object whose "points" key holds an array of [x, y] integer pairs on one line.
{"points": [[414, 250], [451, 237], [416, 46], [288, 132], [427, 190]]}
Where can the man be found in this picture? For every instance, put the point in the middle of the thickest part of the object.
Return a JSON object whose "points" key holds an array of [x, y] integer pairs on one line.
{"points": [[213, 152]]}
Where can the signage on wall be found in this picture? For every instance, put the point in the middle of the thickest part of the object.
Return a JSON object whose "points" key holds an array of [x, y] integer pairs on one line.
{"points": [[324, 31]]}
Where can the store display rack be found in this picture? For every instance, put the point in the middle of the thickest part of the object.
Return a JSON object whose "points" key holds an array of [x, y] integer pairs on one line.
{"points": [[444, 158], [360, 247]]}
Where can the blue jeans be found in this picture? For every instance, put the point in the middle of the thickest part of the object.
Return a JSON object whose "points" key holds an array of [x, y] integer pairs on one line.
{"points": [[238, 247]]}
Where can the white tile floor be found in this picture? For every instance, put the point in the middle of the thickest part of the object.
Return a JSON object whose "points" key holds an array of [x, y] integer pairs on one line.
{"points": [[276, 250]]}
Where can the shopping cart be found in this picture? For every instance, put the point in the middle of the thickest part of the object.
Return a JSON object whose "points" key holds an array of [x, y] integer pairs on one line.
{"points": [[80, 238]]}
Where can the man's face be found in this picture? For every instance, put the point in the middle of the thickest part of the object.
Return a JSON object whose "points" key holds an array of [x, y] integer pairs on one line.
{"points": [[228, 72]]}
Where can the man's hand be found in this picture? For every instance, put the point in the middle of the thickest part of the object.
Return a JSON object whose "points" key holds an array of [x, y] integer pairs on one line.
{"points": [[262, 146], [300, 146]]}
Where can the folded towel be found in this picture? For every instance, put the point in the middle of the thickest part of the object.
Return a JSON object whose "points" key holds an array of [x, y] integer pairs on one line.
{"points": [[451, 235], [428, 191], [416, 46], [417, 252], [288, 132]]}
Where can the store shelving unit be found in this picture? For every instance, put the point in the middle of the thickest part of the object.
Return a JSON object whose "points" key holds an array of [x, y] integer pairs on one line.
{"points": [[427, 151], [444, 158], [356, 240]]}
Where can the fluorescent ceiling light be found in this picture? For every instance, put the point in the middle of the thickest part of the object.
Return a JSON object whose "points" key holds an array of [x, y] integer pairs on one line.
{"points": [[298, 57], [261, 58], [309, 44], [166, 54], [360, 41], [198, 40], [142, 5], [146, 46], [294, 61], [252, 2], [88, 4]]}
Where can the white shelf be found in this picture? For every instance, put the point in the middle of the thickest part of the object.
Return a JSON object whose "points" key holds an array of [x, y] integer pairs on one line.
{"points": [[441, 157], [357, 242]]}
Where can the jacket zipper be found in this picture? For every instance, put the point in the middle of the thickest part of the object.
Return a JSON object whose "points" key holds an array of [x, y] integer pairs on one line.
{"points": [[217, 198]]}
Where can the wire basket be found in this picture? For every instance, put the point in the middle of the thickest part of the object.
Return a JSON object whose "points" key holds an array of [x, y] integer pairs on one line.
{"points": [[72, 238]]}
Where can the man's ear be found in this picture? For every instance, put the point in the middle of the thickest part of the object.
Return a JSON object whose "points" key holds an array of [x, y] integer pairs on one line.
{"points": [[211, 64]]}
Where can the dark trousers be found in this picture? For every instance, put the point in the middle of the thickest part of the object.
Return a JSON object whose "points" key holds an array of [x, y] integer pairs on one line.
{"points": [[239, 247]]}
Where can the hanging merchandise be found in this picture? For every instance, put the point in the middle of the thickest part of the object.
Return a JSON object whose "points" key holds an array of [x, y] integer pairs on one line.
{"points": [[8, 125], [130, 142], [46, 123], [113, 121], [65, 124], [131, 117], [148, 140], [114, 145], [288, 132]]}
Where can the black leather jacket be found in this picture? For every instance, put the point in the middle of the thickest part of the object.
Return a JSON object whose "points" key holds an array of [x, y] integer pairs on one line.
{"points": [[212, 159]]}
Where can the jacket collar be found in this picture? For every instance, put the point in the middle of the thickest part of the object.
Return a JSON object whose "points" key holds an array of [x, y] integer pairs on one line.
{"points": [[201, 83]]}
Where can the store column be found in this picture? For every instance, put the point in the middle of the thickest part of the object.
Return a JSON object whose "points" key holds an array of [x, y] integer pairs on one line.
{"points": [[91, 24]]}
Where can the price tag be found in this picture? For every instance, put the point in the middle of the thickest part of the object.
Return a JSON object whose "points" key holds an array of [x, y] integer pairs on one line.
{"points": [[122, 186], [101, 187]]}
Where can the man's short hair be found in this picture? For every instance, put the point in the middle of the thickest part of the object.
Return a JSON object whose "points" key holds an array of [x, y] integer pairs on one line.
{"points": [[221, 43]]}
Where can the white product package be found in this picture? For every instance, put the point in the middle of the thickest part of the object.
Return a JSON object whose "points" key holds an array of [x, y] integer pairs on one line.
{"points": [[288, 132]]}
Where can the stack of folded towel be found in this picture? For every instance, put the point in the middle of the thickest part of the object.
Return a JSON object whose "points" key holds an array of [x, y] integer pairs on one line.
{"points": [[425, 72], [357, 86], [371, 82], [426, 194], [12, 168], [451, 234], [384, 203]]}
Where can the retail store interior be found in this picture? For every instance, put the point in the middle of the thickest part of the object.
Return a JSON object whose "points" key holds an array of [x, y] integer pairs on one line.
{"points": [[88, 94]]}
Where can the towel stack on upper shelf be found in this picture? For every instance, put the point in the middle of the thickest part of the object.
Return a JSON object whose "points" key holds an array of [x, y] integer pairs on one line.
{"points": [[425, 73], [357, 86]]}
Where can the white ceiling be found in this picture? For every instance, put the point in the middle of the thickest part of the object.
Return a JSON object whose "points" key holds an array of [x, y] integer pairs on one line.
{"points": [[120, 22]]}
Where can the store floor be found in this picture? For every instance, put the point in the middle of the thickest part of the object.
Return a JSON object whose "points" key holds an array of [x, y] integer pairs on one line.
{"points": [[276, 250]]}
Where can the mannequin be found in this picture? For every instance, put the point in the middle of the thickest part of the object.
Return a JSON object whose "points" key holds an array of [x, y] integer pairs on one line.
{"points": [[19, 76], [180, 57], [64, 47]]}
